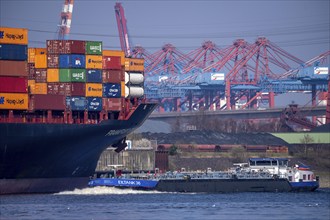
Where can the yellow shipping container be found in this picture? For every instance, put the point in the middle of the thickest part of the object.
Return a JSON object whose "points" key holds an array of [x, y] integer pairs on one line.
{"points": [[115, 53], [94, 90], [37, 88], [93, 62], [14, 35], [40, 61], [122, 88], [14, 101], [31, 85], [32, 52], [134, 64], [53, 75]]}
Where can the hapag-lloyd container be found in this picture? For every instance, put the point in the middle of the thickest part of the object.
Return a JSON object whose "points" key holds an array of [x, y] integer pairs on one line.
{"points": [[52, 60], [65, 47], [94, 76], [134, 64], [47, 102], [13, 68], [13, 84], [17, 101], [94, 47], [94, 90], [112, 104], [72, 61], [40, 75], [76, 103], [111, 63], [13, 52], [112, 90], [94, 104], [13, 35], [93, 62], [72, 75]]}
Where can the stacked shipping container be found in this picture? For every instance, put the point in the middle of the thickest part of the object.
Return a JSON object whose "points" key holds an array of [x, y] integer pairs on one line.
{"points": [[13, 68], [67, 75]]}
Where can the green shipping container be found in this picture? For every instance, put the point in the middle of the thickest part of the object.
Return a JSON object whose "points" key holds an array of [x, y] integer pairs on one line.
{"points": [[72, 75], [94, 47]]}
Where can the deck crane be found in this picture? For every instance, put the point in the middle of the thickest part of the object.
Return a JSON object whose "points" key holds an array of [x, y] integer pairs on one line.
{"points": [[122, 28], [65, 22]]}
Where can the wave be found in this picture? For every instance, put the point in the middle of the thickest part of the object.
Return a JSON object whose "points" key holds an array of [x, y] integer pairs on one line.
{"points": [[103, 190]]}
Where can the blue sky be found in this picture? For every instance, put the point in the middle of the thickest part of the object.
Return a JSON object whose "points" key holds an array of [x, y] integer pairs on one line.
{"points": [[301, 27]]}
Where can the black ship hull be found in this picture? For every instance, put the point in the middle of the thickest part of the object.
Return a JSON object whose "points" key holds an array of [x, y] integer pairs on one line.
{"points": [[36, 157], [224, 185]]}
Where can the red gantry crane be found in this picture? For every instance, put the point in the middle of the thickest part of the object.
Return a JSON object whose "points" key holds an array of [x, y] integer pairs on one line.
{"points": [[65, 22], [122, 28]]}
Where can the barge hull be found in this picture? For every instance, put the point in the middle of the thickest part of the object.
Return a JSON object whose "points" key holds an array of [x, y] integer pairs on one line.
{"points": [[224, 185]]}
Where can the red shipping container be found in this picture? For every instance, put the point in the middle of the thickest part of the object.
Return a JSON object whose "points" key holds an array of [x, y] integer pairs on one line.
{"points": [[111, 63], [72, 47], [67, 89], [52, 61], [13, 84], [113, 76], [31, 71], [53, 46], [41, 75], [78, 89], [47, 102], [59, 88], [13, 68], [112, 104]]}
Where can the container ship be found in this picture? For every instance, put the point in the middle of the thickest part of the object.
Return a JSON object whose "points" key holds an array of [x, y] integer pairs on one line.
{"points": [[60, 107]]}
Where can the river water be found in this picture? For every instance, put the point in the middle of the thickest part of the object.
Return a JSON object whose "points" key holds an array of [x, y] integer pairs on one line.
{"points": [[109, 203]]}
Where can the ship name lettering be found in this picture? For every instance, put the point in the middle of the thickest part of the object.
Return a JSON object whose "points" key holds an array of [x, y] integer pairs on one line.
{"points": [[129, 182], [117, 132]]}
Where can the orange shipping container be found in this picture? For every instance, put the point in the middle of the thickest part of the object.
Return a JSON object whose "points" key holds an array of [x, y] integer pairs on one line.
{"points": [[134, 64], [13, 35], [94, 90], [14, 101], [93, 62], [40, 61], [53, 75], [37, 88], [32, 52], [115, 53], [122, 88]]}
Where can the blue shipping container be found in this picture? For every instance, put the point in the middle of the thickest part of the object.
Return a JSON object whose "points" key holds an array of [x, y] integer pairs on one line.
{"points": [[77, 103], [72, 61], [94, 104], [13, 52], [111, 90], [94, 76]]}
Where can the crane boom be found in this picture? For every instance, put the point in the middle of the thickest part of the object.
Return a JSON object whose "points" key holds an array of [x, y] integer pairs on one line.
{"points": [[122, 29], [65, 22]]}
